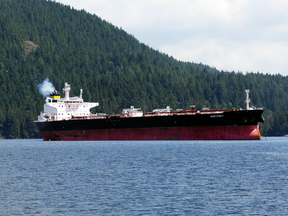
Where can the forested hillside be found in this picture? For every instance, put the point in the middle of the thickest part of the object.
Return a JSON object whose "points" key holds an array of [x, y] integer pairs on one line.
{"points": [[43, 39]]}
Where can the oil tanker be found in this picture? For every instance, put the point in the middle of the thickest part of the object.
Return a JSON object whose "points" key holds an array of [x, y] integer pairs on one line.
{"points": [[70, 119]]}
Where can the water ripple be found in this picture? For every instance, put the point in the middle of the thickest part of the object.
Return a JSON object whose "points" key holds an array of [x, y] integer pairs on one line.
{"points": [[144, 178]]}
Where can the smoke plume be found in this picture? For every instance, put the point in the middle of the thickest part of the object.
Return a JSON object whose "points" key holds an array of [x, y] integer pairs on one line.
{"points": [[45, 88]]}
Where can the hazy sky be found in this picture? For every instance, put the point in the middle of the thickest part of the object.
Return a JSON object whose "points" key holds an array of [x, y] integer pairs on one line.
{"points": [[239, 35]]}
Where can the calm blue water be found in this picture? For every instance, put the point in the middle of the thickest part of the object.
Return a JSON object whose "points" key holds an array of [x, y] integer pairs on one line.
{"points": [[144, 178]]}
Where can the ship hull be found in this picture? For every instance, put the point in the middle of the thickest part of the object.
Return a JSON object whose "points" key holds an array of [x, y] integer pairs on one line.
{"points": [[236, 125], [247, 132]]}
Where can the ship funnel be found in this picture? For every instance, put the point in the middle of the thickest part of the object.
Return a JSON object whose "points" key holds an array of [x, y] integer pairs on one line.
{"points": [[67, 90], [81, 91], [55, 96]]}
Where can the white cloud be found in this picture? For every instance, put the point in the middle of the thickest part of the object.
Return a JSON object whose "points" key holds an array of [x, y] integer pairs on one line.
{"points": [[248, 57], [228, 34]]}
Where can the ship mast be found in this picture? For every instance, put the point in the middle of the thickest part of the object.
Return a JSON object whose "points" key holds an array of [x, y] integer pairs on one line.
{"points": [[67, 90], [247, 99]]}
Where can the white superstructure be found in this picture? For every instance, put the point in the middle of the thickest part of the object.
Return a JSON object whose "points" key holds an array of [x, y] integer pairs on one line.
{"points": [[57, 108], [132, 112]]}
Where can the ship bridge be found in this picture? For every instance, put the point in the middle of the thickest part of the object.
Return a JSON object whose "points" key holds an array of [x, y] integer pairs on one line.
{"points": [[57, 108]]}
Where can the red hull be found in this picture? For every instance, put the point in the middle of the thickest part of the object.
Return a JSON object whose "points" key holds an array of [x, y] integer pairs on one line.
{"points": [[241, 132]]}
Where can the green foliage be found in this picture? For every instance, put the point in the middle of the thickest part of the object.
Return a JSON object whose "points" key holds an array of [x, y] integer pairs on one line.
{"points": [[113, 68]]}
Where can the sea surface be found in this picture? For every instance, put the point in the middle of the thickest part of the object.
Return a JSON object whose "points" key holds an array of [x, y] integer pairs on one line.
{"points": [[144, 177]]}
